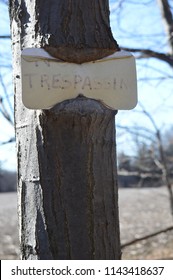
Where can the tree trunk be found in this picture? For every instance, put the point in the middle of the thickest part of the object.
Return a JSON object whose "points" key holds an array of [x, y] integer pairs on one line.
{"points": [[165, 9], [67, 181]]}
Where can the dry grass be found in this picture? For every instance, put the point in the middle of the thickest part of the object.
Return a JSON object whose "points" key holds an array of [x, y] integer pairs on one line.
{"points": [[142, 211]]}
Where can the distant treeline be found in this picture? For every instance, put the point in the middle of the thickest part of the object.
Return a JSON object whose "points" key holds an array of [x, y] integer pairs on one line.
{"points": [[7, 181]]}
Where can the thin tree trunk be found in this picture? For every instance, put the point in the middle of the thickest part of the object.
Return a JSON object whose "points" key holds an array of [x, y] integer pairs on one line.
{"points": [[165, 9], [67, 190]]}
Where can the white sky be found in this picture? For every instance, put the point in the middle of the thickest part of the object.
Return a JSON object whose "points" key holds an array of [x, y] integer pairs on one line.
{"points": [[156, 95]]}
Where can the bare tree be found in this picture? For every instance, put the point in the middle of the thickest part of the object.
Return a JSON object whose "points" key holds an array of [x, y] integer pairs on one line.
{"points": [[165, 55], [166, 11], [6, 106], [66, 155], [151, 152], [162, 164]]}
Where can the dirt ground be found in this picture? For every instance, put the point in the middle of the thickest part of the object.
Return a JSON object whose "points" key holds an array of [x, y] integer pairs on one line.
{"points": [[142, 211]]}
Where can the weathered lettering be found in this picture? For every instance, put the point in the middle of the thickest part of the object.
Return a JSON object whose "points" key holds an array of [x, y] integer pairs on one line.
{"points": [[62, 82], [46, 82], [87, 83], [77, 82], [66, 83], [122, 84], [97, 84], [56, 81], [30, 80]]}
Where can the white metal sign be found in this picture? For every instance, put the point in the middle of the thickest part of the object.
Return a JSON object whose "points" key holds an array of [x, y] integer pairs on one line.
{"points": [[47, 81]]}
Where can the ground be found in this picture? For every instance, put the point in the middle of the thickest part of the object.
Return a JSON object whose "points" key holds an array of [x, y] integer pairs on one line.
{"points": [[142, 211]]}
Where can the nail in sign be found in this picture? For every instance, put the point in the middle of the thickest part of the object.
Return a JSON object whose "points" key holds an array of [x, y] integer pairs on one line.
{"points": [[47, 81]]}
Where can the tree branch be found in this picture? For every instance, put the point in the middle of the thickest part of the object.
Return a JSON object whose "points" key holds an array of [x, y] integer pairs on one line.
{"points": [[168, 58], [11, 140], [7, 99], [146, 237], [4, 112], [5, 37], [165, 171]]}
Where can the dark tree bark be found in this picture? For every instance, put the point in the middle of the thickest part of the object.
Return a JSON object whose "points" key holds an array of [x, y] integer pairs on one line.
{"points": [[167, 16], [67, 181]]}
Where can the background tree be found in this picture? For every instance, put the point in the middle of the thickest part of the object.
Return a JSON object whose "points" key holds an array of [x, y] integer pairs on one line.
{"points": [[7, 138], [6, 107], [152, 48]]}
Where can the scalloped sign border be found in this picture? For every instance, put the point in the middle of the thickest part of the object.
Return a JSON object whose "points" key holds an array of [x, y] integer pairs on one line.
{"points": [[47, 81]]}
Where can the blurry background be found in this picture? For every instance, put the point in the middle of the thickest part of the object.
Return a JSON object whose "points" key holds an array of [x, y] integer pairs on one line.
{"points": [[144, 134]]}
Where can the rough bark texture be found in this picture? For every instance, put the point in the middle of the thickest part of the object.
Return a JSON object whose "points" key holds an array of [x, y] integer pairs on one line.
{"points": [[167, 17], [75, 31], [67, 190]]}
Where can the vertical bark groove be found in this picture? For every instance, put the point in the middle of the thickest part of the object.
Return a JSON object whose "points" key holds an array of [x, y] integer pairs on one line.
{"points": [[91, 186]]}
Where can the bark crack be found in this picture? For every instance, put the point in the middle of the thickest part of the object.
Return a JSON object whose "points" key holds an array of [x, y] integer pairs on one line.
{"points": [[91, 185]]}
